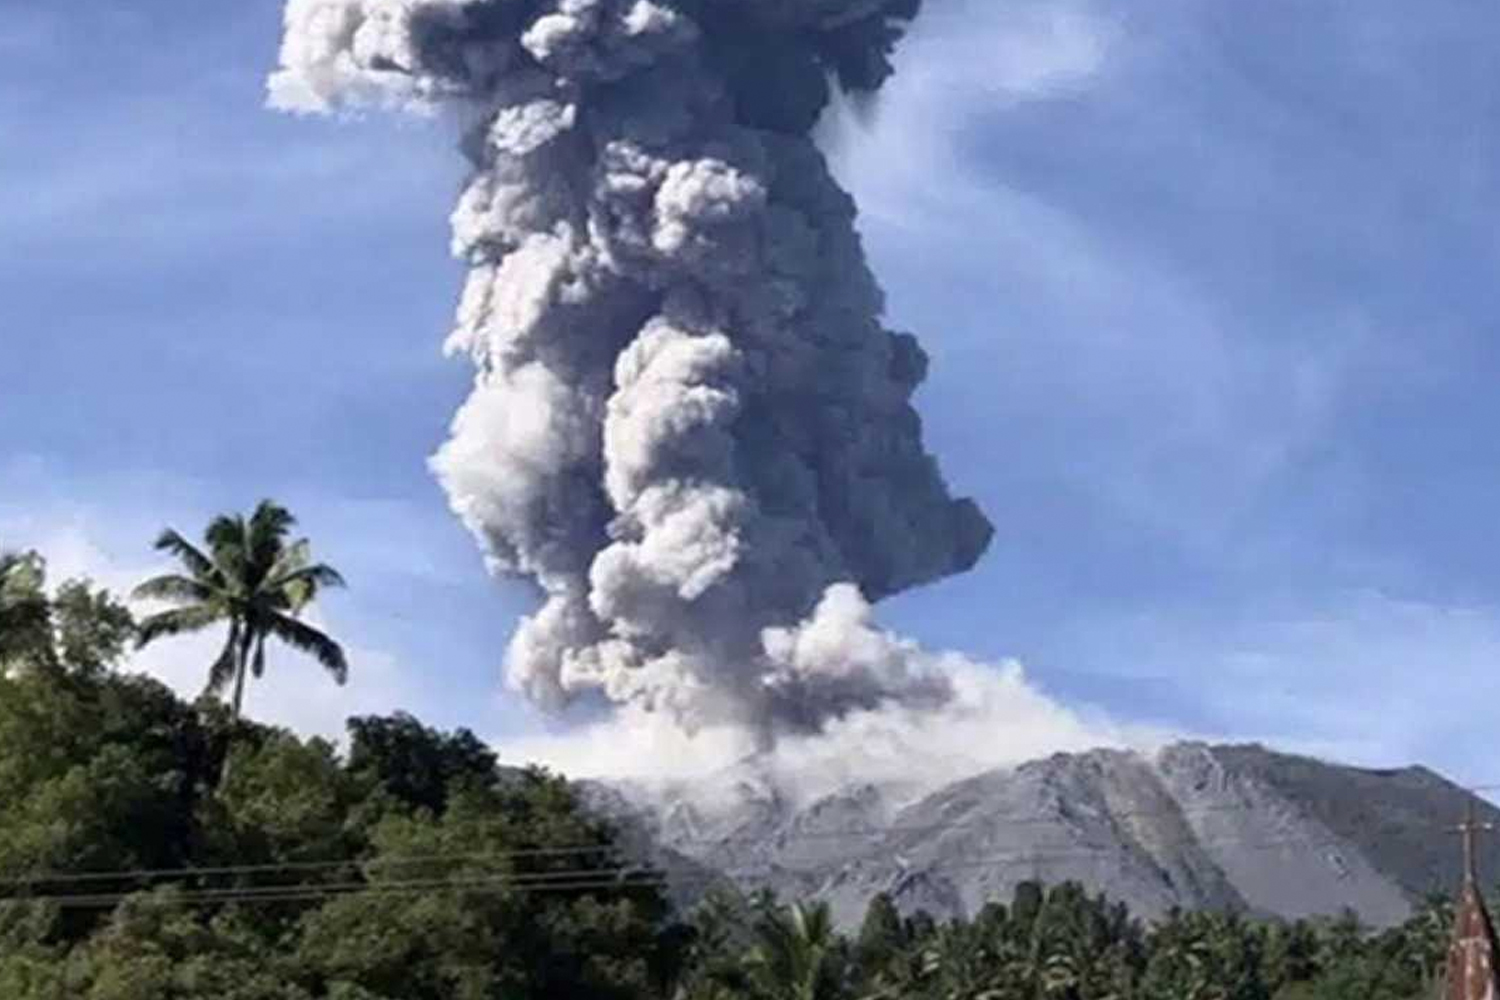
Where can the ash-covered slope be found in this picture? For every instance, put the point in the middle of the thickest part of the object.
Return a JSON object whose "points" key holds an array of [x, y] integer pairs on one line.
{"points": [[1196, 826]]}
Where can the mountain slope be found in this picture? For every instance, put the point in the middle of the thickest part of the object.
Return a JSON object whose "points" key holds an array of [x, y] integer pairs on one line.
{"points": [[1197, 826]]}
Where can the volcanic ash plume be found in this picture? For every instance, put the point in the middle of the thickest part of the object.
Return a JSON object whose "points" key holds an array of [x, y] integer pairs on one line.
{"points": [[688, 426]]}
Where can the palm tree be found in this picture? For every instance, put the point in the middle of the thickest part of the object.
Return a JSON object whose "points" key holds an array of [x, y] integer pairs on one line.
{"points": [[251, 578], [797, 956], [959, 963]]}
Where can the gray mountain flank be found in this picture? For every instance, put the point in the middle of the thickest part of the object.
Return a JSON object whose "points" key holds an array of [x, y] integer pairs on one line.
{"points": [[1194, 826]]}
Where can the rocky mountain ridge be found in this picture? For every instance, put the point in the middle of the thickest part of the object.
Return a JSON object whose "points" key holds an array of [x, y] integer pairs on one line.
{"points": [[1195, 825]]}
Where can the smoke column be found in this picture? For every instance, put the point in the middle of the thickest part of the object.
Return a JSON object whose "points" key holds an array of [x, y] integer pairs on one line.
{"points": [[688, 424]]}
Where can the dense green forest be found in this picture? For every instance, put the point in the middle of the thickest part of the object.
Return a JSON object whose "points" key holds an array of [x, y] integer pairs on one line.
{"points": [[155, 849]]}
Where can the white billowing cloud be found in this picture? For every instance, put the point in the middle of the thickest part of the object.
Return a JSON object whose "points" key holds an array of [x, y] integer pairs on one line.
{"points": [[1367, 680], [991, 716]]}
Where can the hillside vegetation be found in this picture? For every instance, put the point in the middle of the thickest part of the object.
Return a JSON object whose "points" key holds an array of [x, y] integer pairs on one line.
{"points": [[154, 849]]}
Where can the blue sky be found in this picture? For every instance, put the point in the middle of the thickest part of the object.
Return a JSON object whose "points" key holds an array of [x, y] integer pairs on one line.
{"points": [[1209, 292]]}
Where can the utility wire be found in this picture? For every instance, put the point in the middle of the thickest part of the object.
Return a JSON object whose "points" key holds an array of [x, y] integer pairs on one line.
{"points": [[373, 861], [156, 874], [291, 894], [634, 876]]}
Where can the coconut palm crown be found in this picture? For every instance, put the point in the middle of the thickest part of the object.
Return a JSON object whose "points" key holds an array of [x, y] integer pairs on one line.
{"points": [[250, 577]]}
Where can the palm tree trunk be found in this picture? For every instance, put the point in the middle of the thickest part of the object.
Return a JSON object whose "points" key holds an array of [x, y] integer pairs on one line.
{"points": [[239, 690], [241, 667]]}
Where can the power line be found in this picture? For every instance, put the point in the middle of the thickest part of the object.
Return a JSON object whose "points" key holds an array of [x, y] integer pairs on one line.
{"points": [[159, 874], [573, 880], [149, 874], [582, 880], [145, 874], [289, 894]]}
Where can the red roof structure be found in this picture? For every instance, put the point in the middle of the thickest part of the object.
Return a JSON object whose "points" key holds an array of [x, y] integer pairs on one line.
{"points": [[1474, 955]]}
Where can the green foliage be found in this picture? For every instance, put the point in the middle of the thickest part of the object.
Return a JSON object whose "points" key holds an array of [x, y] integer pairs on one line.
{"points": [[513, 924], [1205, 956], [1060, 943], [155, 947], [283, 800], [414, 765], [721, 932], [798, 955], [882, 937], [134, 866], [95, 773]]}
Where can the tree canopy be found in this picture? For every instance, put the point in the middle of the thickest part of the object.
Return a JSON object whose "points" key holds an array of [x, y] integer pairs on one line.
{"points": [[133, 866]]}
